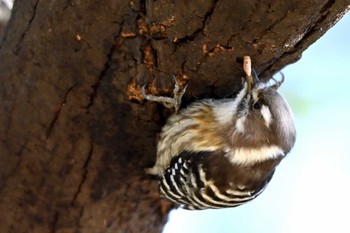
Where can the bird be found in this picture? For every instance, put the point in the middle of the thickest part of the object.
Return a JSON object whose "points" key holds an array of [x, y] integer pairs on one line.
{"points": [[219, 153]]}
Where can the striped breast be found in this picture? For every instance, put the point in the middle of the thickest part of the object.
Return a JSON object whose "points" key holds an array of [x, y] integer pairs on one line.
{"points": [[207, 180]]}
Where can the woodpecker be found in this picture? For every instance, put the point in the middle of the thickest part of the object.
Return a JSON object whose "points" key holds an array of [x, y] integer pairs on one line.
{"points": [[219, 153]]}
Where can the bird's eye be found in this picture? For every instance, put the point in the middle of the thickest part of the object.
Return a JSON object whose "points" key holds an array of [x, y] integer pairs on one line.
{"points": [[257, 105]]}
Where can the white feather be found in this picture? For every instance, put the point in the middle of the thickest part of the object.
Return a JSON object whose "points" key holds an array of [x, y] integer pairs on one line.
{"points": [[225, 111], [253, 155], [265, 112], [240, 124]]}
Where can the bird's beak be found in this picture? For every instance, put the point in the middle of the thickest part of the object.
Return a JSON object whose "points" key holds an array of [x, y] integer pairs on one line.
{"points": [[249, 83], [251, 77], [252, 80]]}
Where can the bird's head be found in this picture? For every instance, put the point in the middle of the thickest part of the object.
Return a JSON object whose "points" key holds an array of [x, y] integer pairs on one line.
{"points": [[263, 116]]}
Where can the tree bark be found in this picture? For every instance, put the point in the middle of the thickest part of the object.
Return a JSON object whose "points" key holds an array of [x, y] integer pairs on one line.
{"points": [[75, 134]]}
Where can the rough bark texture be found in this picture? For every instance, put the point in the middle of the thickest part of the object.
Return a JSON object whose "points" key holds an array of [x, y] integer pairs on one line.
{"points": [[74, 133]]}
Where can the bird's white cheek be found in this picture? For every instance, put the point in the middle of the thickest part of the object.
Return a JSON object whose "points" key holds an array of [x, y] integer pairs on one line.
{"points": [[266, 114]]}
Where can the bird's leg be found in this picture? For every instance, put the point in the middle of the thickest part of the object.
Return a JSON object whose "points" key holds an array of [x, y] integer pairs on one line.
{"points": [[168, 102]]}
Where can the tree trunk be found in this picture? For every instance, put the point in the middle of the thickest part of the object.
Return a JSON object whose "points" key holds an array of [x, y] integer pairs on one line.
{"points": [[75, 135]]}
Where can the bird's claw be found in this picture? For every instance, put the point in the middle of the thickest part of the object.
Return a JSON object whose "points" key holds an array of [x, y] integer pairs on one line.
{"points": [[168, 102]]}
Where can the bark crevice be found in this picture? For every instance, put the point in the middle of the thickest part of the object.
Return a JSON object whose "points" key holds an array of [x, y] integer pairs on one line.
{"points": [[29, 24], [58, 111]]}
